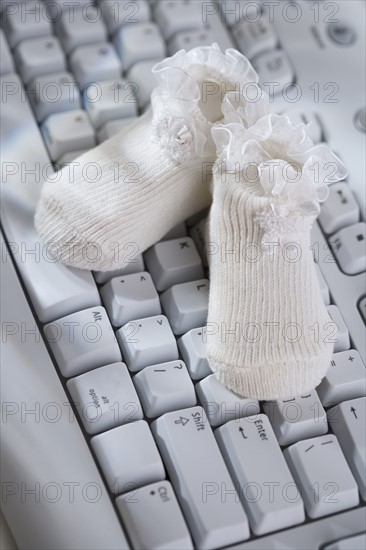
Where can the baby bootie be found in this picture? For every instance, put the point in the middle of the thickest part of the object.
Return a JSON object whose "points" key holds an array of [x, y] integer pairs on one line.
{"points": [[269, 334], [130, 191]]}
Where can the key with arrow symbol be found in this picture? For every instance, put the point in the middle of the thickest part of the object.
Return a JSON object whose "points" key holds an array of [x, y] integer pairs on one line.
{"points": [[182, 421], [241, 430], [354, 412]]}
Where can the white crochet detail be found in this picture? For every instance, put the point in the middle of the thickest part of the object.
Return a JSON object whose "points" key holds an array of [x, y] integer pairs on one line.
{"points": [[198, 90], [292, 171]]}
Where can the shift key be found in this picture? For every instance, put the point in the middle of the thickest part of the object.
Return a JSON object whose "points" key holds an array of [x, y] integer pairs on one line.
{"points": [[200, 478]]}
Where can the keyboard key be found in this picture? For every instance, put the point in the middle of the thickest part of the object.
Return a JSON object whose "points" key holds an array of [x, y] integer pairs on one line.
{"points": [[105, 398], [340, 209], [177, 232], [186, 305], [39, 56], [193, 348], [275, 71], [117, 13], [345, 379], [153, 518], [322, 475], [105, 101], [131, 265], [131, 297], [164, 388], [323, 286], [128, 457], [80, 27], [221, 404], [139, 43], [190, 39], [358, 542], [255, 37], [296, 418], [147, 342], [113, 127], [6, 60], [53, 93], [176, 16], [82, 341], [338, 332], [199, 475], [66, 132], [173, 262], [199, 234], [95, 63], [313, 126], [250, 450], [233, 11], [348, 423], [25, 20], [144, 80], [349, 248]]}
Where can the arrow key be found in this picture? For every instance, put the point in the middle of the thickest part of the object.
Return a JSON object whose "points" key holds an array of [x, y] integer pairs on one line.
{"points": [[348, 423]]}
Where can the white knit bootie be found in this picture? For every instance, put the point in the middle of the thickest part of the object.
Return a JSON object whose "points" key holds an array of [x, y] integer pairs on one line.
{"points": [[156, 174], [268, 330]]}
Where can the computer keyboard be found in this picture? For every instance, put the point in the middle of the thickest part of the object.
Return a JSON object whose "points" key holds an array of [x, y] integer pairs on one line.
{"points": [[158, 452]]}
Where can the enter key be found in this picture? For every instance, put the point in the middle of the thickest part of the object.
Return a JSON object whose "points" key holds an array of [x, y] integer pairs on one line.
{"points": [[262, 477]]}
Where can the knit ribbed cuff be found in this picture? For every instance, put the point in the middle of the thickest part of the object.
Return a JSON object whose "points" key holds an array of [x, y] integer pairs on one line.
{"points": [[274, 382]]}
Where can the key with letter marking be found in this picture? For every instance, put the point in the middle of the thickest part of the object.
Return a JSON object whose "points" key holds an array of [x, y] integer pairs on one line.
{"points": [[82, 341], [174, 262], [164, 388], [130, 297], [297, 417], [147, 342], [251, 451], [105, 398], [345, 379], [131, 265], [153, 518], [199, 475], [193, 348], [186, 305]]}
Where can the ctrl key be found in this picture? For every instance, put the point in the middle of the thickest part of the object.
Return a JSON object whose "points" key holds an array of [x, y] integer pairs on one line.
{"points": [[153, 518]]}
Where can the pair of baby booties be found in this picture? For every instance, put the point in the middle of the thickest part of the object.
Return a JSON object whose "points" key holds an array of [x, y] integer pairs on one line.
{"points": [[209, 139]]}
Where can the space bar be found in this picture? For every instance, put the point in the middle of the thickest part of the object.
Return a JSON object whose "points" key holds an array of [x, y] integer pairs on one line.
{"points": [[55, 497]]}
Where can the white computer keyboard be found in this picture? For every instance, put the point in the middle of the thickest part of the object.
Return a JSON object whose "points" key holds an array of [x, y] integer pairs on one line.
{"points": [[157, 452]]}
